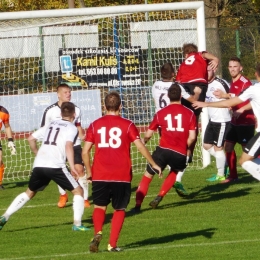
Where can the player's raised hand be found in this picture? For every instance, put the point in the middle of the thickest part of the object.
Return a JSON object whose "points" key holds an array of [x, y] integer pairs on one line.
{"points": [[199, 104], [12, 148]]}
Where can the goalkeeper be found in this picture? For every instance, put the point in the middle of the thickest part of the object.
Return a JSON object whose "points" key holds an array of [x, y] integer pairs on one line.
{"points": [[4, 119]]}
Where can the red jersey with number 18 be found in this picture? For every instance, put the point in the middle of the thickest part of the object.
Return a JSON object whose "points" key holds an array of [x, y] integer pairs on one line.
{"points": [[175, 121], [112, 136]]}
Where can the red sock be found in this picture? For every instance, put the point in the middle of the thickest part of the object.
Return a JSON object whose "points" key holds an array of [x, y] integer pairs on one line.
{"points": [[167, 184], [116, 226], [232, 164], [142, 190], [98, 218]]}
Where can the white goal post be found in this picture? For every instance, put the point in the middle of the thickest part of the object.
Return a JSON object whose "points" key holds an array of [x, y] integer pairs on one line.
{"points": [[94, 50]]}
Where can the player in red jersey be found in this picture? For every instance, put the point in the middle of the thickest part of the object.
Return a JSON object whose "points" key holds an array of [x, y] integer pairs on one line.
{"points": [[193, 72], [242, 126], [4, 119], [178, 132], [111, 171]]}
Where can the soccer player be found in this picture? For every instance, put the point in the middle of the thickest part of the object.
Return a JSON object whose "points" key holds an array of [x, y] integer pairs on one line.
{"points": [[50, 164], [242, 127], [219, 121], [4, 119], [161, 100], [193, 72], [178, 132], [251, 151], [52, 113], [111, 171]]}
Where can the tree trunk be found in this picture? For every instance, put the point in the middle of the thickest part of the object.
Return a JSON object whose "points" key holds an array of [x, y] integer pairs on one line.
{"points": [[71, 3]]}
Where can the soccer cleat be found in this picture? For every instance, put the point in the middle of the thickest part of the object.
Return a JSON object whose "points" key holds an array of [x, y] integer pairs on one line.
{"points": [[63, 200], [2, 187], [79, 228], [155, 202], [2, 222], [180, 189], [230, 179], [136, 209], [86, 204], [93, 247], [226, 171], [113, 249], [216, 177]]}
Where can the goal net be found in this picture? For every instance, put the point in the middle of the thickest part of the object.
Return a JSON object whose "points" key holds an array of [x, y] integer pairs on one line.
{"points": [[94, 50]]}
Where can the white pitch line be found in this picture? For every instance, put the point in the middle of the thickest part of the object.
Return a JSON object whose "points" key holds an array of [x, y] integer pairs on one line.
{"points": [[144, 248]]}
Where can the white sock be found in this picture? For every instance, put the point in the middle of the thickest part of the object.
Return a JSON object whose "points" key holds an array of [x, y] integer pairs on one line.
{"points": [[212, 151], [61, 191], [17, 203], [252, 168], [220, 162], [78, 209], [84, 185], [179, 176]]}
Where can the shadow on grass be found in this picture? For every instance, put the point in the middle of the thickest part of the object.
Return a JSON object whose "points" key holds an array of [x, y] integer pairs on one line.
{"points": [[12, 185], [207, 233]]}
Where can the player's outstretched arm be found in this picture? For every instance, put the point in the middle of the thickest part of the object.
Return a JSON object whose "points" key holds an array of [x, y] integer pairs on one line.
{"points": [[86, 158], [144, 151], [214, 61]]}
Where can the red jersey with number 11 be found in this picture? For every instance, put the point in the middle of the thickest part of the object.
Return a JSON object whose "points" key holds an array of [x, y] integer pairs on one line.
{"points": [[112, 136], [175, 121]]}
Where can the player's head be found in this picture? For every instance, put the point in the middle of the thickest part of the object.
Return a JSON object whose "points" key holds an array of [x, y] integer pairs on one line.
{"points": [[112, 101], [63, 93], [67, 109], [174, 92], [234, 66], [189, 48], [167, 71]]}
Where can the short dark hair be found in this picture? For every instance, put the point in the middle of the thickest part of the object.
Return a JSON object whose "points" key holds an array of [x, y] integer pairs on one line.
{"points": [[63, 85], [167, 70], [189, 48], [235, 58], [174, 92], [112, 101], [67, 109]]}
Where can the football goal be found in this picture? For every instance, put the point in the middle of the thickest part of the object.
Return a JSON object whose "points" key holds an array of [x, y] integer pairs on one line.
{"points": [[94, 50]]}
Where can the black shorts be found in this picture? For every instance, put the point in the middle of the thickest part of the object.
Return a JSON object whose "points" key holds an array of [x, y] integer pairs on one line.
{"points": [[164, 157], [189, 87], [215, 133], [42, 176], [77, 155], [252, 148], [118, 192], [240, 133]]}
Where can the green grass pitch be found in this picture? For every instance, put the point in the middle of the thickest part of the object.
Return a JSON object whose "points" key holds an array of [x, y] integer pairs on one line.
{"points": [[218, 221]]}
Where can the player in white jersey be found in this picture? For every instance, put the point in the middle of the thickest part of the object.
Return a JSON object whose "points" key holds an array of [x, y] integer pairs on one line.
{"points": [[249, 159], [53, 113], [218, 125], [58, 139], [161, 100]]}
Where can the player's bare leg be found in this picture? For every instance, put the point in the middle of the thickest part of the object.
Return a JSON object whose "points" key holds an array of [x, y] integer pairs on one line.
{"points": [[83, 183]]}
